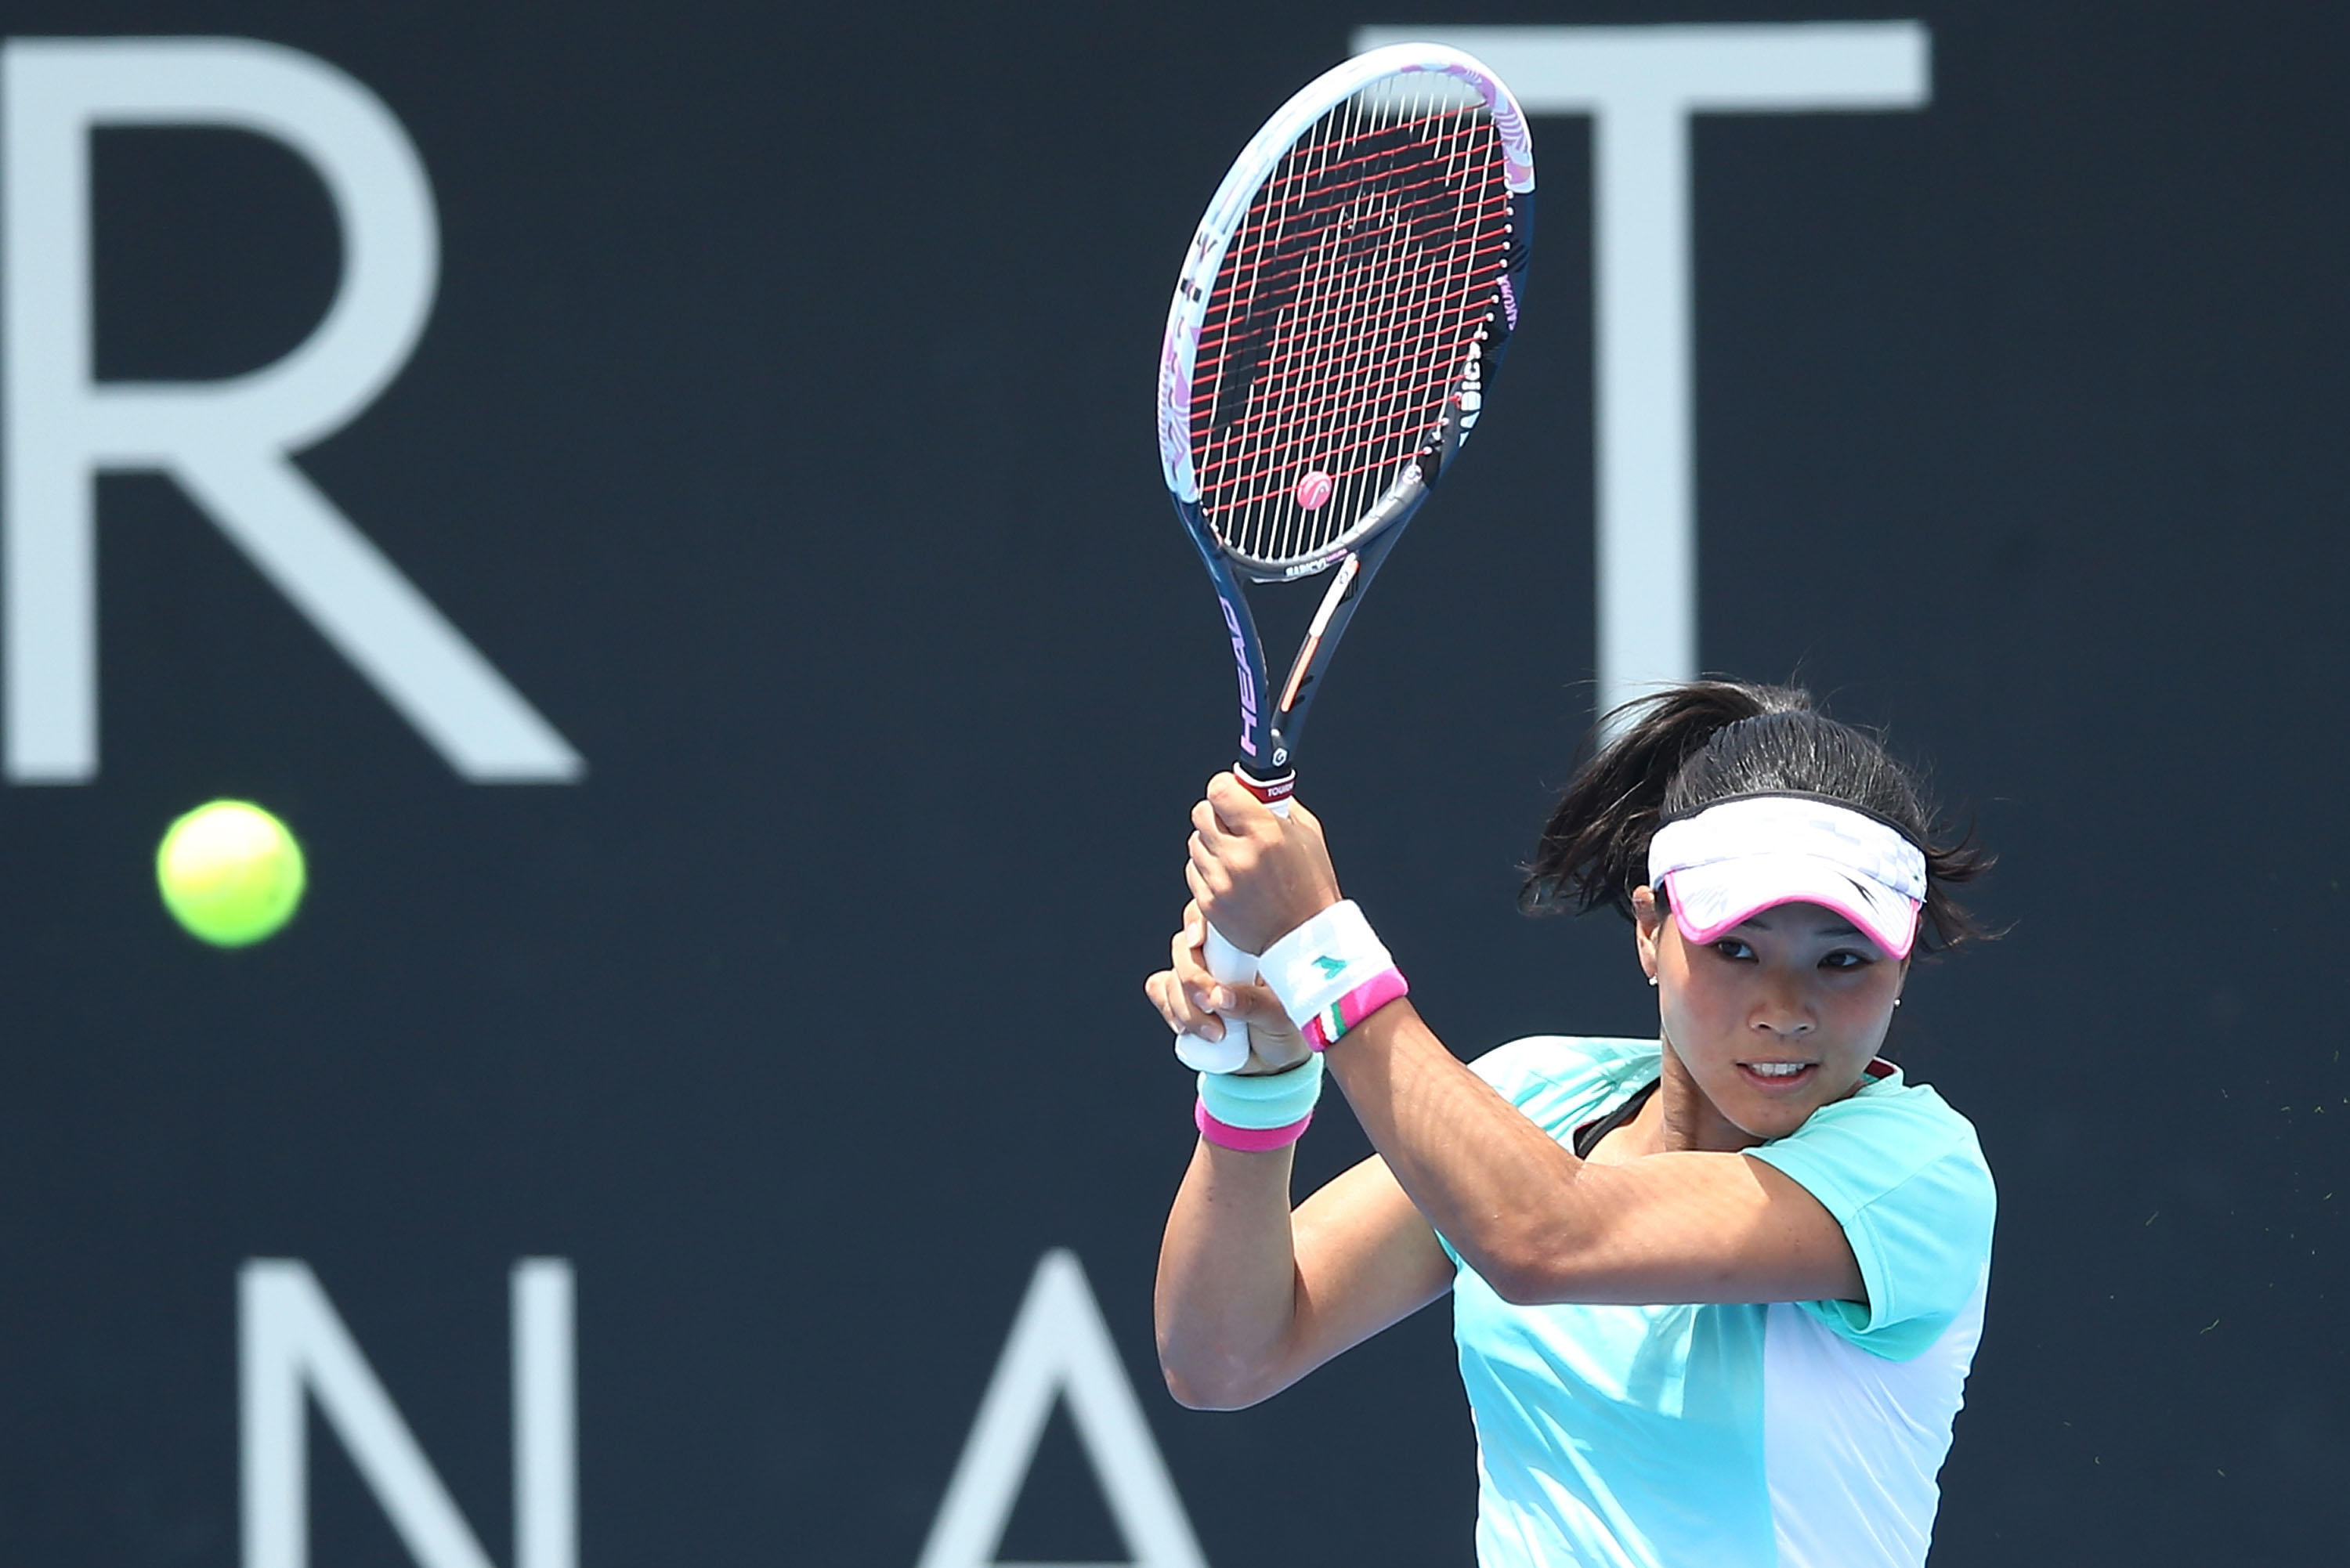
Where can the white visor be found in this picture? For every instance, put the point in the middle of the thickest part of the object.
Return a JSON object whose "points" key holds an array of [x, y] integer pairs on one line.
{"points": [[1732, 861]]}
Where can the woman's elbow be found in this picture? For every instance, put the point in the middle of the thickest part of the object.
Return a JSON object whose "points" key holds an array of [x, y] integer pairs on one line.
{"points": [[1197, 1395], [1525, 1271], [1199, 1382], [1519, 1286]]}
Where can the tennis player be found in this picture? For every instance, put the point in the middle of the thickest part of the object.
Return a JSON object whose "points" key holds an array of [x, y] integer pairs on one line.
{"points": [[1716, 1293]]}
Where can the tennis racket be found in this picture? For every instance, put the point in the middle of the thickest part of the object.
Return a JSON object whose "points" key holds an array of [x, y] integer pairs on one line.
{"points": [[1334, 333]]}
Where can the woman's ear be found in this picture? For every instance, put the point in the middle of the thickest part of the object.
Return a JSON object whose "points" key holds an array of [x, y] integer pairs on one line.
{"points": [[1647, 929]]}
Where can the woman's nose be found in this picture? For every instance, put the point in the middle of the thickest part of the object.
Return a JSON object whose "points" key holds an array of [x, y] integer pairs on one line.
{"points": [[1784, 1009]]}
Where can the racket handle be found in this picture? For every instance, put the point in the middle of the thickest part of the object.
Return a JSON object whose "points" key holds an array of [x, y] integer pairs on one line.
{"points": [[1230, 964]]}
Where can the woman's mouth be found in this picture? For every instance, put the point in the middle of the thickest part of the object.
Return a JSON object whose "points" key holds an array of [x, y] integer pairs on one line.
{"points": [[1778, 1077]]}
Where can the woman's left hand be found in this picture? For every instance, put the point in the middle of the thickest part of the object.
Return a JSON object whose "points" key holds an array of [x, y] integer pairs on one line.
{"points": [[1256, 875]]}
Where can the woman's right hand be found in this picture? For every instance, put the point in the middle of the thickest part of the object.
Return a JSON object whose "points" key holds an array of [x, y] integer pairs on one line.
{"points": [[1195, 1002]]}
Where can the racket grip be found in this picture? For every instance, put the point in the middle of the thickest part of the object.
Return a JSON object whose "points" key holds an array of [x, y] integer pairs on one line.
{"points": [[1230, 966], [1233, 965]]}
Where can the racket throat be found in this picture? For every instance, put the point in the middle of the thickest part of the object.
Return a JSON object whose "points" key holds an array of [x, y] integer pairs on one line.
{"points": [[1341, 585]]}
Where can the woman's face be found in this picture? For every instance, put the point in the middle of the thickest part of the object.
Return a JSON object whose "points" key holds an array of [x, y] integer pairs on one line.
{"points": [[1777, 1018]]}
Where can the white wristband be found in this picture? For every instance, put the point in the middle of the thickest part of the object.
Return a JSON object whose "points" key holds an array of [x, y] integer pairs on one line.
{"points": [[1330, 955]]}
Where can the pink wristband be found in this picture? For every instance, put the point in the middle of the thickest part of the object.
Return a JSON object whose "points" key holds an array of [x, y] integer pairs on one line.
{"points": [[1248, 1140], [1323, 1029]]}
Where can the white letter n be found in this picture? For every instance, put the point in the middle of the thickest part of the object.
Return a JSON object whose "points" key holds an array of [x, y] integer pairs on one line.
{"points": [[229, 443], [291, 1340]]}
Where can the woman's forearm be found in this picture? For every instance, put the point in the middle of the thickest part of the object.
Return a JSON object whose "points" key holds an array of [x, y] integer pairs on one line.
{"points": [[1227, 1293], [1487, 1178]]}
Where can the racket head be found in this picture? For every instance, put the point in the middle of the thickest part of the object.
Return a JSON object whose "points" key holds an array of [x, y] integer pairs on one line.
{"points": [[1353, 282]]}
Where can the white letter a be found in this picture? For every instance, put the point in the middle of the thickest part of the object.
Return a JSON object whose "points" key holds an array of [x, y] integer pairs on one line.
{"points": [[1060, 1346]]}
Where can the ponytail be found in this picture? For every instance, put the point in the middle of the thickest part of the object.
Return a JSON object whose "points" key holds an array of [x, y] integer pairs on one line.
{"points": [[1687, 747]]}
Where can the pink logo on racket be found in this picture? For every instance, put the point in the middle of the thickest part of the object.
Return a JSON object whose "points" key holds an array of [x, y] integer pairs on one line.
{"points": [[1314, 489]]}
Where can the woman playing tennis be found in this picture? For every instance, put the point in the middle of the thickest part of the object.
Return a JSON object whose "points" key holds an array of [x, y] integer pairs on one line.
{"points": [[1715, 1293]]}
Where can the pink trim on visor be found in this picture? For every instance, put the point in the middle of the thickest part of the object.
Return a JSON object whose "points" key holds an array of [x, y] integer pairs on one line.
{"points": [[1740, 856], [1709, 901]]}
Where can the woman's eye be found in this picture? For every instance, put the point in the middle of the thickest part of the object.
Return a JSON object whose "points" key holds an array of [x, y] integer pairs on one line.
{"points": [[1731, 948], [1845, 959]]}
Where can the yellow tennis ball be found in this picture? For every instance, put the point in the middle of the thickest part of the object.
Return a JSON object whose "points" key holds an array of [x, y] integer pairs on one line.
{"points": [[230, 873]]}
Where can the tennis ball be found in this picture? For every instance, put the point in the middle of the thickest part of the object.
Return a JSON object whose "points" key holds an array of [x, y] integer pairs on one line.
{"points": [[230, 873]]}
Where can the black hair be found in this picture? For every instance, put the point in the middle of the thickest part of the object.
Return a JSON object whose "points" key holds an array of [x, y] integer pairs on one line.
{"points": [[1686, 748]]}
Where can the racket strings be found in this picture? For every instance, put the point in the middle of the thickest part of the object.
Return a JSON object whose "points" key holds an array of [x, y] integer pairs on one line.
{"points": [[1369, 295], [1341, 318], [1389, 416], [1332, 297]]}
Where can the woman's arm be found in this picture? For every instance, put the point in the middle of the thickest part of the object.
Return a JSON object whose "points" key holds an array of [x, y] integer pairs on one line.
{"points": [[1539, 1224], [1252, 1297]]}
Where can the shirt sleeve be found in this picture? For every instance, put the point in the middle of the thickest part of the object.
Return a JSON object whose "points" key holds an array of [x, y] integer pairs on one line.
{"points": [[1904, 1176]]}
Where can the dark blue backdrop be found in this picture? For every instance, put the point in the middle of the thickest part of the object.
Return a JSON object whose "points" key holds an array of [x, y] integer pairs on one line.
{"points": [[782, 429]]}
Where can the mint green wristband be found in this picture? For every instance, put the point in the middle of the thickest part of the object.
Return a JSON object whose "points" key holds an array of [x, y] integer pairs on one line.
{"points": [[1270, 1100]]}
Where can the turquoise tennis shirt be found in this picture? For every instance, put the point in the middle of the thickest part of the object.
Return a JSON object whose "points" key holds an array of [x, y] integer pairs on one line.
{"points": [[1799, 1435]]}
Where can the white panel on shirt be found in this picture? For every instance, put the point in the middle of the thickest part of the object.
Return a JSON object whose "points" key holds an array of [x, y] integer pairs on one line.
{"points": [[1852, 1443]]}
